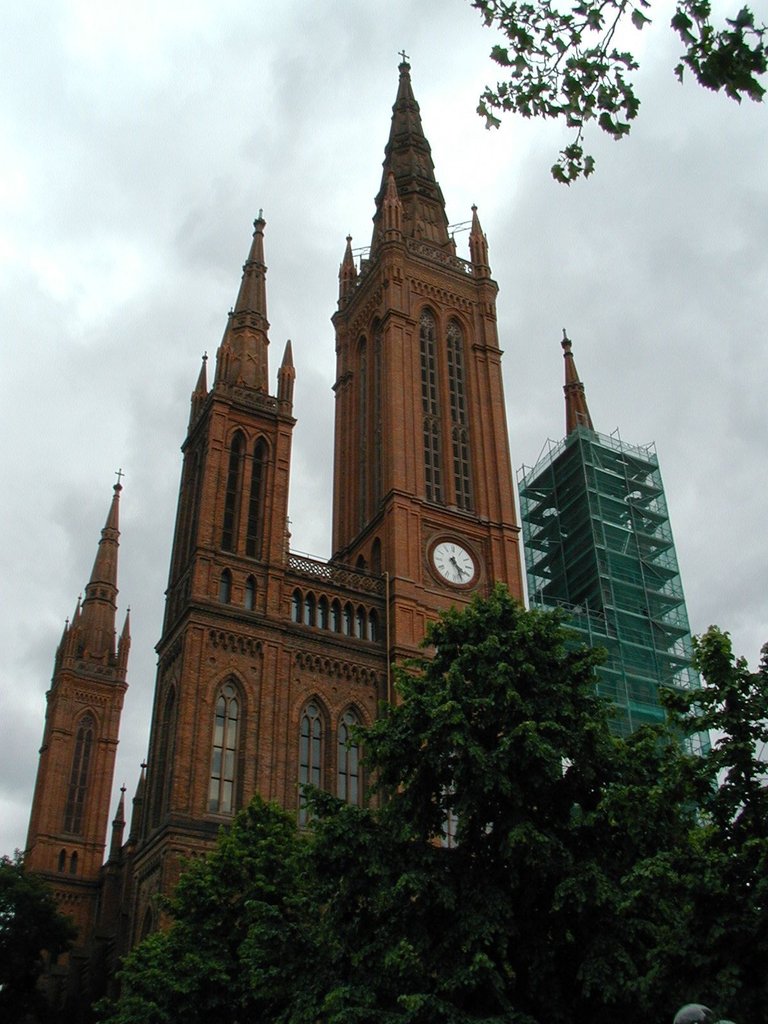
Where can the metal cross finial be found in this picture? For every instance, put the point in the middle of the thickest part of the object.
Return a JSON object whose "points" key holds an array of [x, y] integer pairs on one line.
{"points": [[405, 56], [119, 474]]}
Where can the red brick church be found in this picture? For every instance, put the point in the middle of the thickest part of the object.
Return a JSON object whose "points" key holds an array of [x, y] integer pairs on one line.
{"points": [[267, 658]]}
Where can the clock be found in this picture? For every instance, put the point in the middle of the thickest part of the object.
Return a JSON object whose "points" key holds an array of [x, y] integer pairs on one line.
{"points": [[453, 563]]}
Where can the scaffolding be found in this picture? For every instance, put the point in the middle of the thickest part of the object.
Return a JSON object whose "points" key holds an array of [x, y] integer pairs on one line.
{"points": [[598, 543]]}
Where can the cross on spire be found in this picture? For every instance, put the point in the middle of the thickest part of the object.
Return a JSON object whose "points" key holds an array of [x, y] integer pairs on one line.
{"points": [[404, 56], [119, 474]]}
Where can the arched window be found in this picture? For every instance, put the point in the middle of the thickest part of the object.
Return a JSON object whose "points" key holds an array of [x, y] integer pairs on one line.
{"points": [[459, 420], [78, 776], [376, 556], [348, 771], [336, 617], [296, 606], [165, 754], [232, 496], [322, 613], [310, 754], [373, 625], [62, 859], [147, 924], [360, 623], [360, 563], [430, 404], [309, 610], [250, 594], [376, 459], [221, 790], [349, 620], [73, 864], [362, 423], [253, 537], [225, 587]]}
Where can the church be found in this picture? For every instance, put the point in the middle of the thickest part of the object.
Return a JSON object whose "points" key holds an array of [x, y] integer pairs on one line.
{"points": [[268, 659]]}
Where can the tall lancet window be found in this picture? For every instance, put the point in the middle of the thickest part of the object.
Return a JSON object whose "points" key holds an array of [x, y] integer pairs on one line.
{"points": [[310, 755], [362, 423], [459, 421], [233, 492], [376, 466], [78, 776], [221, 789], [254, 533], [430, 407], [348, 771]]}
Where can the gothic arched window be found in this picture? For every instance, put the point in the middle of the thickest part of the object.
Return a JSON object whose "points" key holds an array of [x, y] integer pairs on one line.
{"points": [[336, 617], [348, 767], [225, 587], [254, 532], [430, 404], [78, 776], [360, 623], [322, 613], [250, 594], [362, 422], [296, 606], [349, 620], [165, 754], [309, 610], [459, 419], [310, 754], [373, 625], [221, 789], [73, 863], [232, 496], [62, 859]]}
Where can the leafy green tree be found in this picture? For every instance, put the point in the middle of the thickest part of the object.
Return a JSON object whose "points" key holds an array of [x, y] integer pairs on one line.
{"points": [[240, 943], [31, 927], [728, 924], [517, 863], [562, 62]]}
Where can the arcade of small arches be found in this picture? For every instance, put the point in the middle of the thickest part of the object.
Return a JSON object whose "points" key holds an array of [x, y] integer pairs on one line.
{"points": [[320, 613]]}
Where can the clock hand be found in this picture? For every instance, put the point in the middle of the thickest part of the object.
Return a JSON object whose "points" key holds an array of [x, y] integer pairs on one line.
{"points": [[457, 567]]}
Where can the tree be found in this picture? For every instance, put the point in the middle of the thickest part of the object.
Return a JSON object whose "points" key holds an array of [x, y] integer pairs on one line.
{"points": [[30, 928], [518, 863], [241, 937], [562, 62], [729, 919]]}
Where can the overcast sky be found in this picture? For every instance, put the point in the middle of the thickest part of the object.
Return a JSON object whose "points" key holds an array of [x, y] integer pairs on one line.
{"points": [[139, 140]]}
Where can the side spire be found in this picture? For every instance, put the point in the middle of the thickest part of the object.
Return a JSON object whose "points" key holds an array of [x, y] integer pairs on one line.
{"points": [[286, 376], [200, 393], [347, 271], [478, 247], [576, 408], [408, 157], [242, 356]]}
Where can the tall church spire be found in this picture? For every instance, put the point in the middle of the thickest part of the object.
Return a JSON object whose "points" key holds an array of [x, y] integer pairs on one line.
{"points": [[576, 408], [96, 622], [242, 355], [408, 157]]}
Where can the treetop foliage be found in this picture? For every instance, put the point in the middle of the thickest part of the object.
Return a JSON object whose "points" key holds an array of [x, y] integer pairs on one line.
{"points": [[31, 927], [562, 62], [517, 863]]}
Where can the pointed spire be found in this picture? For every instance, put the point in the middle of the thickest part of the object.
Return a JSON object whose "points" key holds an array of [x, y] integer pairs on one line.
{"points": [[138, 803], [96, 620], [124, 643], [408, 157], [286, 376], [576, 409], [200, 393], [478, 247], [242, 355], [347, 271], [118, 828]]}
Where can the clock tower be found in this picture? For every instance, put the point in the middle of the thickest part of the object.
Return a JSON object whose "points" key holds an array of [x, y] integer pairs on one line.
{"points": [[423, 487]]}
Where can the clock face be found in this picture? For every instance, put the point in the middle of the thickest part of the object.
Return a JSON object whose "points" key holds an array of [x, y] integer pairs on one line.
{"points": [[453, 562]]}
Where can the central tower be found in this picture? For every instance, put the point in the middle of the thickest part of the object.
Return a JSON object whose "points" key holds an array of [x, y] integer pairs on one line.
{"points": [[422, 479]]}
